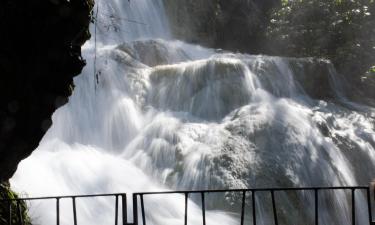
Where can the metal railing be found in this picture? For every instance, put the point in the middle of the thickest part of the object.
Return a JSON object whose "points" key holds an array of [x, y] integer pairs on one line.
{"points": [[139, 197], [73, 198]]}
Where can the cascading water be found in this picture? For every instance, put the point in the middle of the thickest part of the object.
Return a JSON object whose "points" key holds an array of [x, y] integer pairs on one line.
{"points": [[168, 115]]}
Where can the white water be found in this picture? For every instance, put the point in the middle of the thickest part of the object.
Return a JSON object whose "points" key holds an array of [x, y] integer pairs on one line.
{"points": [[169, 115]]}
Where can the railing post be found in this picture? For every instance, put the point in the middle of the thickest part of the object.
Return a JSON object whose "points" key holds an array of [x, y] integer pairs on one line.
{"points": [[135, 209], [369, 205], [243, 207], [143, 210], [203, 209], [316, 198], [74, 210], [10, 212], [186, 208], [274, 207], [57, 211], [253, 205], [124, 209], [20, 219], [353, 206], [116, 209]]}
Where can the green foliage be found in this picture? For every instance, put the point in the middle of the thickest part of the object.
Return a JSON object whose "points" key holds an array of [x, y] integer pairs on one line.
{"points": [[340, 30], [21, 209], [370, 74]]}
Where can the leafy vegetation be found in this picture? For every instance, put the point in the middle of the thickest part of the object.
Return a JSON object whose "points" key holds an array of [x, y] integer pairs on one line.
{"points": [[340, 30], [16, 210]]}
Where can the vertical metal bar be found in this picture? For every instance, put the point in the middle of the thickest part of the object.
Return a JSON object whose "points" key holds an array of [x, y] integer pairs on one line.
{"points": [[74, 210], [135, 209], [10, 212], [369, 205], [186, 208], [124, 209], [316, 197], [20, 219], [203, 209], [116, 210], [353, 206], [57, 211], [143, 210], [243, 207], [276, 220], [253, 205]]}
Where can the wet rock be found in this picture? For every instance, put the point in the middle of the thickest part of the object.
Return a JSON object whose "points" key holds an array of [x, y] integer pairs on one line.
{"points": [[315, 76], [153, 52]]}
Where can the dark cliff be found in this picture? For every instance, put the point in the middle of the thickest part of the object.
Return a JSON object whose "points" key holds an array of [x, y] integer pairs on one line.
{"points": [[40, 53]]}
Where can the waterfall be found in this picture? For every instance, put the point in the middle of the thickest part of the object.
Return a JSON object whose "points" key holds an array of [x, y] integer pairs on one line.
{"points": [[167, 115]]}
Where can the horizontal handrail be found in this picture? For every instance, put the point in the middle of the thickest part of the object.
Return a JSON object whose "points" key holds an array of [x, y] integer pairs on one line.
{"points": [[193, 191], [62, 197], [256, 189]]}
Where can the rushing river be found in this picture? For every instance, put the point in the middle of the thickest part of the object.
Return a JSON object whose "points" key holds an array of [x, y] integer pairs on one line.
{"points": [[161, 114]]}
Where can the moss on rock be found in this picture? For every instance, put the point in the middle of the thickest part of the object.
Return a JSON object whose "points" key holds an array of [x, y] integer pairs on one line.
{"points": [[15, 209]]}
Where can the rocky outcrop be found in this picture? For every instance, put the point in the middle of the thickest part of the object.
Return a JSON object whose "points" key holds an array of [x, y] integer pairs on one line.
{"points": [[40, 53], [153, 52], [315, 76]]}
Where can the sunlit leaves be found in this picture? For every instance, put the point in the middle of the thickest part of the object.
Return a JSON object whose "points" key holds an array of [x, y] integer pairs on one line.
{"points": [[340, 30]]}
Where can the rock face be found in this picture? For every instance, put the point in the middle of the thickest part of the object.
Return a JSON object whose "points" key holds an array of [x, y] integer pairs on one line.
{"points": [[153, 52], [40, 53]]}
